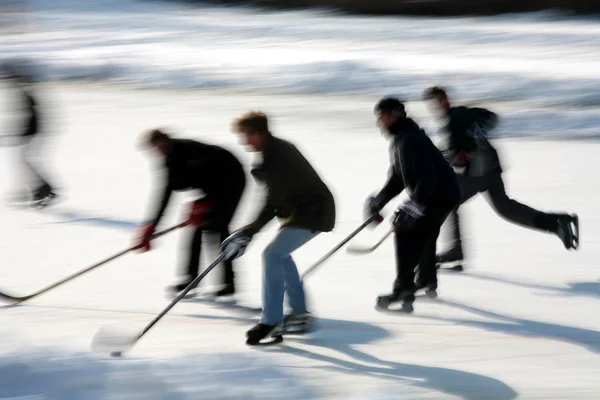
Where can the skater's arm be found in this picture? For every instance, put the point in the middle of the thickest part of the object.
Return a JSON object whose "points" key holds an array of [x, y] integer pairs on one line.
{"points": [[162, 205], [391, 189]]}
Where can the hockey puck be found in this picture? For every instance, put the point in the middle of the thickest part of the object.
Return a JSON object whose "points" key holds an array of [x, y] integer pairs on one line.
{"points": [[116, 354]]}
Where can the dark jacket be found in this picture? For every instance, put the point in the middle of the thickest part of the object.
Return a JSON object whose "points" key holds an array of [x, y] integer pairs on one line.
{"points": [[468, 129], [30, 126], [295, 192], [417, 165], [195, 165]]}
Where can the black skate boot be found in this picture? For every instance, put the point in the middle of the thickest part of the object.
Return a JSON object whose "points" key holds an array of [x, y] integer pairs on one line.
{"points": [[180, 287], [453, 256], [228, 290], [568, 230], [297, 324], [262, 331], [430, 289], [43, 196], [407, 297]]}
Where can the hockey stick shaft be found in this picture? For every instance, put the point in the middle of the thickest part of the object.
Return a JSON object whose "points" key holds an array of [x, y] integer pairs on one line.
{"points": [[17, 300], [181, 295], [339, 246], [366, 250]]}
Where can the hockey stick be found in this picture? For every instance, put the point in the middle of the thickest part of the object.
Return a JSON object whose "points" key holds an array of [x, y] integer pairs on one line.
{"points": [[367, 250], [119, 343], [339, 246], [17, 299]]}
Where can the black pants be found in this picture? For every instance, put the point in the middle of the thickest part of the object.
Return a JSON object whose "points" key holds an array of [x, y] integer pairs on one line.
{"points": [[219, 221], [417, 248], [493, 188], [31, 151]]}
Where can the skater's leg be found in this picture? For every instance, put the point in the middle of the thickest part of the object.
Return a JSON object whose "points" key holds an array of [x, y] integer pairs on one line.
{"points": [[408, 248], [565, 226], [279, 272], [470, 186], [516, 212], [195, 248], [427, 271]]}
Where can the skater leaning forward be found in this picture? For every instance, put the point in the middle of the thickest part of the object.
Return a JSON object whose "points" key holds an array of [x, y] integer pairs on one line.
{"points": [[433, 191], [296, 194], [219, 175]]}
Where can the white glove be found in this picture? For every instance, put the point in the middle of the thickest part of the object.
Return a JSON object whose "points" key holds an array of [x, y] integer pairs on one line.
{"points": [[235, 245]]}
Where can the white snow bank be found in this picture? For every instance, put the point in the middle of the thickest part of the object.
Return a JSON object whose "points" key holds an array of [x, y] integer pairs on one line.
{"points": [[153, 44]]}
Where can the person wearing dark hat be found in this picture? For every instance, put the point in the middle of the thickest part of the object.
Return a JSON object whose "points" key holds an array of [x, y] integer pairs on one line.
{"points": [[219, 175], [42, 192], [433, 191], [470, 150]]}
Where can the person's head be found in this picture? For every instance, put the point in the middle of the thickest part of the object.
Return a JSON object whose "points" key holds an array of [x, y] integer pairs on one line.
{"points": [[158, 141], [388, 111], [437, 100], [253, 126]]}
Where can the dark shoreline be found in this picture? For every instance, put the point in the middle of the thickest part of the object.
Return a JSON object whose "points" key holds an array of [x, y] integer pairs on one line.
{"points": [[424, 7]]}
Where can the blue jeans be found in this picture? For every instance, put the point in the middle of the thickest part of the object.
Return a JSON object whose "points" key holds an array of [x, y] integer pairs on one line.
{"points": [[280, 275]]}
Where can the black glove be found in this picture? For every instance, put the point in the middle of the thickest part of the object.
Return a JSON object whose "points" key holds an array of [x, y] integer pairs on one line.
{"points": [[372, 206], [406, 216]]}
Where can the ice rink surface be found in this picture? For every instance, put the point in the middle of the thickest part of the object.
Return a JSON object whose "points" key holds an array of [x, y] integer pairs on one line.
{"points": [[522, 321]]}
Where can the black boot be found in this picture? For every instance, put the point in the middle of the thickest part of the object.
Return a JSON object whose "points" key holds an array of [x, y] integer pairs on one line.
{"points": [[407, 297], [175, 289], [453, 255], [430, 289], [261, 331], [568, 230], [298, 324], [228, 290]]}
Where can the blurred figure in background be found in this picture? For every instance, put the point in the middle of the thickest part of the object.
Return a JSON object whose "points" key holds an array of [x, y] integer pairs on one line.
{"points": [[296, 193], [418, 166], [215, 171], [41, 191], [469, 149]]}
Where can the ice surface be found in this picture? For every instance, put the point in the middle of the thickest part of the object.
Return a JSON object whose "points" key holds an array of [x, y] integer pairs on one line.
{"points": [[523, 321]]}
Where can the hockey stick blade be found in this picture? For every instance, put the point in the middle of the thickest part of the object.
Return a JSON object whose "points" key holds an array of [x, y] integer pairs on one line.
{"points": [[19, 299], [117, 342], [367, 250]]}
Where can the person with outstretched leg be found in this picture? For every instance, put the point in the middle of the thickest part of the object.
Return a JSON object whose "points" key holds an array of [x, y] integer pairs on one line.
{"points": [[470, 150]]}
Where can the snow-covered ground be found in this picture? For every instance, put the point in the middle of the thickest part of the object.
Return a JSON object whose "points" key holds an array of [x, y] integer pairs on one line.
{"points": [[522, 322]]}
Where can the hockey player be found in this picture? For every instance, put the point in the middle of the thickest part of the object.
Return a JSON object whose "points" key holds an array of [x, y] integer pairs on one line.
{"points": [[418, 166], [220, 176], [41, 191], [295, 193], [470, 149]]}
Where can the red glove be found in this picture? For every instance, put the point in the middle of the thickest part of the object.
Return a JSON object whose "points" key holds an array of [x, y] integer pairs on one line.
{"points": [[146, 235], [199, 213], [461, 160]]}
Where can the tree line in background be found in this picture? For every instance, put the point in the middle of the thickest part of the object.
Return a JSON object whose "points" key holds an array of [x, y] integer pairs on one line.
{"points": [[429, 7]]}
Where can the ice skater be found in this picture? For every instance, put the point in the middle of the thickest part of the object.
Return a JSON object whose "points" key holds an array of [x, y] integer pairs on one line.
{"points": [[41, 192], [469, 149], [295, 193], [219, 175], [433, 191]]}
